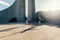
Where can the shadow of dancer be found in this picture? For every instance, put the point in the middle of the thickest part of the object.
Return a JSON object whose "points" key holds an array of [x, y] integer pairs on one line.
{"points": [[31, 28], [8, 29]]}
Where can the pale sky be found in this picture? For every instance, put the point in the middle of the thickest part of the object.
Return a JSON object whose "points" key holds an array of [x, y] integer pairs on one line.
{"points": [[44, 5]]}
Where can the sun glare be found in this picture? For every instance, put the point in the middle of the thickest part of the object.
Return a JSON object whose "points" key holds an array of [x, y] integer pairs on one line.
{"points": [[51, 5]]}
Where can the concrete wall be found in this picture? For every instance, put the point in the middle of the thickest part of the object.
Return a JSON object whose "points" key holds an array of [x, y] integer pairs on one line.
{"points": [[7, 14], [31, 10], [17, 10], [20, 10]]}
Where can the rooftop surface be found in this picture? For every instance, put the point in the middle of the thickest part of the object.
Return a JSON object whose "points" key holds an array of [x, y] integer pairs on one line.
{"points": [[29, 32]]}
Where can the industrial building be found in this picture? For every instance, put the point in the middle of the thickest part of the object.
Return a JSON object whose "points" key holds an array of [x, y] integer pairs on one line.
{"points": [[17, 13]]}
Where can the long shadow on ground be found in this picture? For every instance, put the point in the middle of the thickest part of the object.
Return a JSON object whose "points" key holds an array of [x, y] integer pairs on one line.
{"points": [[31, 28], [19, 31], [8, 29]]}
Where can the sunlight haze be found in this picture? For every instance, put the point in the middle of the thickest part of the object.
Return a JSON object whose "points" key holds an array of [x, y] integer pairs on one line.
{"points": [[46, 5]]}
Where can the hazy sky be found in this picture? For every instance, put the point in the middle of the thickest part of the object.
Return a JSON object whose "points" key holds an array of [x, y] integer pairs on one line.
{"points": [[39, 4], [47, 5]]}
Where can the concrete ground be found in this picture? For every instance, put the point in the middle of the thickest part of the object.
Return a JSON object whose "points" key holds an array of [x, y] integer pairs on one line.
{"points": [[29, 32]]}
